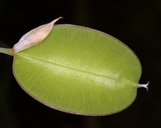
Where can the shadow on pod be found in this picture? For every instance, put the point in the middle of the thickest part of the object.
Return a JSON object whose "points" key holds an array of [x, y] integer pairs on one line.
{"points": [[76, 69]]}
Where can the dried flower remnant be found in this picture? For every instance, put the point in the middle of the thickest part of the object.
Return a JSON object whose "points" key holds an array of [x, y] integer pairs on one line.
{"points": [[33, 37]]}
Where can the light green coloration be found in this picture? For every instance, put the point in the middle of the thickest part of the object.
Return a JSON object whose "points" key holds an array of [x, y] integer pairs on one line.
{"points": [[5, 50], [79, 70]]}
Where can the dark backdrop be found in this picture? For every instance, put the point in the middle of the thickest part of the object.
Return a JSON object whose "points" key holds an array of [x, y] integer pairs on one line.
{"points": [[135, 22]]}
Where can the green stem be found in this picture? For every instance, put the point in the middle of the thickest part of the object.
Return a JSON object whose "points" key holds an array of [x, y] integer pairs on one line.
{"points": [[5, 51]]}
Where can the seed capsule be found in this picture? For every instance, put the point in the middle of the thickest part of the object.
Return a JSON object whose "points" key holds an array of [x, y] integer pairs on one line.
{"points": [[76, 69]]}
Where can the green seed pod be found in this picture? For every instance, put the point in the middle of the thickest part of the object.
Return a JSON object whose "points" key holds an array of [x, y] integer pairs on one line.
{"points": [[76, 69]]}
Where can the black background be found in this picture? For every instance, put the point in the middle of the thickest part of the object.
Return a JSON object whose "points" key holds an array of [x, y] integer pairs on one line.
{"points": [[135, 22]]}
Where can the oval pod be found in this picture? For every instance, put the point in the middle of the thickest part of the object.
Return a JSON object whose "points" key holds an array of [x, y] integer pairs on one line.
{"points": [[79, 70]]}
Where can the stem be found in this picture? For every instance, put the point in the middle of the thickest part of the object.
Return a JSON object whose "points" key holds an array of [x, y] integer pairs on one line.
{"points": [[5, 51]]}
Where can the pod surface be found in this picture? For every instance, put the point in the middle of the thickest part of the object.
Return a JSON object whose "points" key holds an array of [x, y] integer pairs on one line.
{"points": [[79, 70]]}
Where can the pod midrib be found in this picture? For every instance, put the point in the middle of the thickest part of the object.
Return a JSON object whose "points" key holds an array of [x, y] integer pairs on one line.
{"points": [[73, 68]]}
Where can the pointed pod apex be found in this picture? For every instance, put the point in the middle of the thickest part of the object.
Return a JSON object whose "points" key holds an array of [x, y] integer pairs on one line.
{"points": [[144, 85], [34, 37]]}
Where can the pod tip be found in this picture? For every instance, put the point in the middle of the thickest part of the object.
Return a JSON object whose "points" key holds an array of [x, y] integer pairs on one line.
{"points": [[144, 85]]}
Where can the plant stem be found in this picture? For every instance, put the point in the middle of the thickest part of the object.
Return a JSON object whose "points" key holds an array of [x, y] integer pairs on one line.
{"points": [[5, 51]]}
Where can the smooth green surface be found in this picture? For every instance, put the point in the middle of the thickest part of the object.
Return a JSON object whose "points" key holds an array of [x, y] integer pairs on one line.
{"points": [[79, 70]]}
